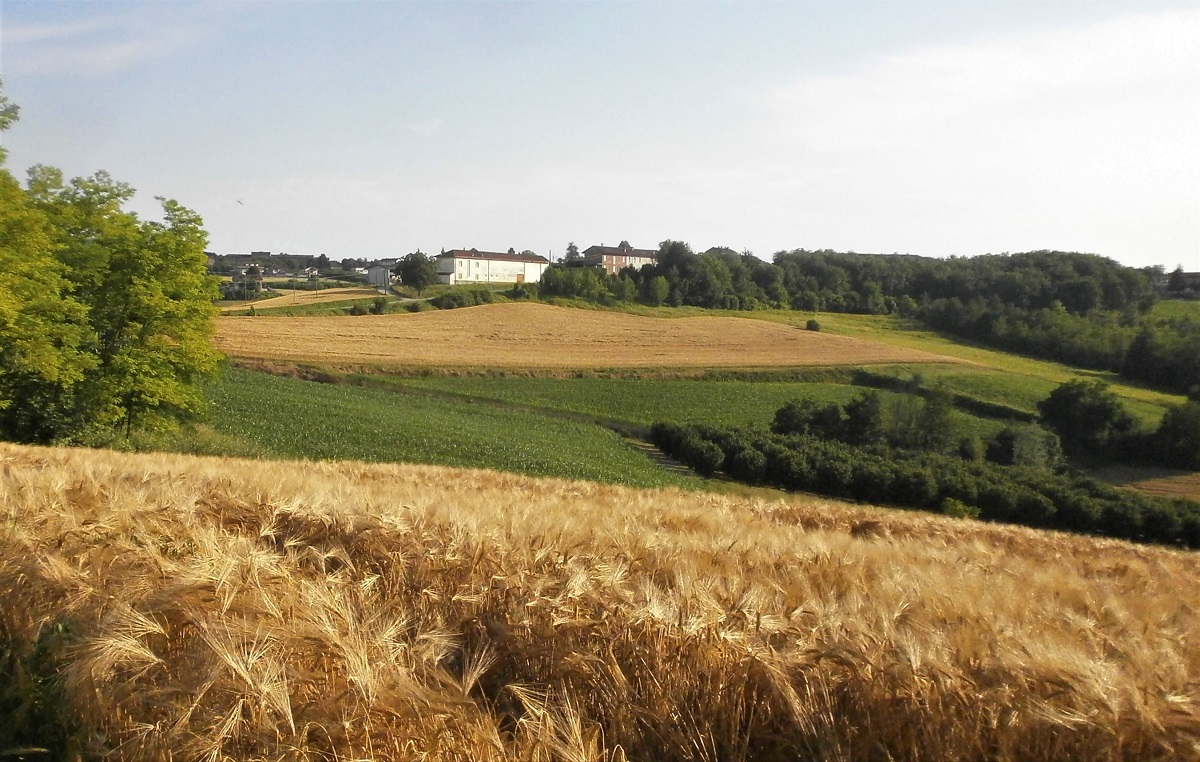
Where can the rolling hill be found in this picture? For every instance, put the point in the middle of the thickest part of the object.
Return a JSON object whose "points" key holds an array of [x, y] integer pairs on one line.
{"points": [[526, 335]]}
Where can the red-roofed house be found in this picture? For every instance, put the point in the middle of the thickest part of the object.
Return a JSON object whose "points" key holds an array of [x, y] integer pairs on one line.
{"points": [[615, 258]]}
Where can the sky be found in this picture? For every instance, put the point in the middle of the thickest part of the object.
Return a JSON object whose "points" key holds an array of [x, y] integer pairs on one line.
{"points": [[372, 129]]}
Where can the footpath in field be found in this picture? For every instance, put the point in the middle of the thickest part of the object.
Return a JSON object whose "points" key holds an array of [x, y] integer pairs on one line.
{"points": [[544, 336]]}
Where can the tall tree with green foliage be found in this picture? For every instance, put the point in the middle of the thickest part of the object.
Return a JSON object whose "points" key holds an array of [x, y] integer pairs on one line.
{"points": [[41, 326], [148, 298], [1088, 417], [416, 270], [1178, 436], [105, 319], [1177, 281]]}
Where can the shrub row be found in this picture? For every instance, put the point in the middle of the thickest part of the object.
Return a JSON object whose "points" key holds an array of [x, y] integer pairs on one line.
{"points": [[465, 298], [928, 481]]}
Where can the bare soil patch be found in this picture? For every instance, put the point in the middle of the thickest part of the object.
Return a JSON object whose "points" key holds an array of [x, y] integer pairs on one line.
{"points": [[543, 336]]}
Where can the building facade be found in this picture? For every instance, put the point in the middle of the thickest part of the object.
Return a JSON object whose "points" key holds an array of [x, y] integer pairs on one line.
{"points": [[381, 275], [472, 266], [616, 258]]}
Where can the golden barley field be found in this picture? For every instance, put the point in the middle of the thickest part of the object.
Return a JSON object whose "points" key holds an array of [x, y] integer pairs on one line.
{"points": [[304, 297], [544, 336], [173, 607]]}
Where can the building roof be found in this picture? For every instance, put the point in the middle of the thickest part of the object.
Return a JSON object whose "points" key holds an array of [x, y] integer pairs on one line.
{"points": [[493, 255], [619, 251]]}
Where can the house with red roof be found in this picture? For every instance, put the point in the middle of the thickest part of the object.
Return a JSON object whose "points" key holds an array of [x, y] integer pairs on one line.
{"points": [[616, 258]]}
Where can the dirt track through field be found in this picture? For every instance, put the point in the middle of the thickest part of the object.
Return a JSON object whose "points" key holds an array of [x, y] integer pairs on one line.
{"points": [[298, 298], [539, 336]]}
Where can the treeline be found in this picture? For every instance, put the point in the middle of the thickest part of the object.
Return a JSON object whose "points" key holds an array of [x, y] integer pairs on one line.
{"points": [[1026, 495], [1077, 308], [906, 451]]}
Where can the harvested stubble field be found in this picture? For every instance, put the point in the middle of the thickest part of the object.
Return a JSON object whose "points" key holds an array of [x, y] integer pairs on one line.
{"points": [[543, 336], [1154, 481], [163, 606], [298, 298]]}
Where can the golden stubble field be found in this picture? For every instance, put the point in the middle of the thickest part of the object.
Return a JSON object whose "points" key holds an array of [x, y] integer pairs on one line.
{"points": [[172, 607], [1154, 481], [299, 298], [543, 336]]}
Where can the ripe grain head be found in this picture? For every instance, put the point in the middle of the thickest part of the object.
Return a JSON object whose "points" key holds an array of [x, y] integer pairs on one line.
{"points": [[228, 609]]}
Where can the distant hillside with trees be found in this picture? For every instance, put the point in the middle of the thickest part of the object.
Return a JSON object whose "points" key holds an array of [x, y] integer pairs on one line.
{"points": [[1080, 309]]}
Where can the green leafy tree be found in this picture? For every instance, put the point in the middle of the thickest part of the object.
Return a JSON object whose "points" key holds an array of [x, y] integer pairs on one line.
{"points": [[1178, 436], [866, 421], [1025, 446], [1176, 281], [935, 424], [41, 326], [148, 299], [657, 290], [1087, 416], [624, 289], [573, 254], [417, 270]]}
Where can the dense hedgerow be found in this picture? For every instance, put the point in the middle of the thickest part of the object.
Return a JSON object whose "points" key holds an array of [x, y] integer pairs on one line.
{"points": [[466, 298], [1035, 497]]}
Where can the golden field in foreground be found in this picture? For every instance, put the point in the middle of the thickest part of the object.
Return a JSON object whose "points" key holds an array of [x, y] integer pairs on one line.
{"points": [[204, 608], [526, 335], [298, 298]]}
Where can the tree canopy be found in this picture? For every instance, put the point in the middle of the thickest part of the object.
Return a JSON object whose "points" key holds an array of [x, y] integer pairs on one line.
{"points": [[105, 319], [416, 270]]}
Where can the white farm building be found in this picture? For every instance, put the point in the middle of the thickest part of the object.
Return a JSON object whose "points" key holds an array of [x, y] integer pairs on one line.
{"points": [[472, 266]]}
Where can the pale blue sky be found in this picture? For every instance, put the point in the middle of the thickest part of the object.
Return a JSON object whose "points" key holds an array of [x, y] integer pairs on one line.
{"points": [[375, 128]]}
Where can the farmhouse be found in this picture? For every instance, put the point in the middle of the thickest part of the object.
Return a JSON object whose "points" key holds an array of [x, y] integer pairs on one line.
{"points": [[473, 266], [380, 273], [615, 258]]}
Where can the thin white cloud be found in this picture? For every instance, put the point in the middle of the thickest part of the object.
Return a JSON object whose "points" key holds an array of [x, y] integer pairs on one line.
{"points": [[25, 33], [101, 45], [1080, 138], [426, 128]]}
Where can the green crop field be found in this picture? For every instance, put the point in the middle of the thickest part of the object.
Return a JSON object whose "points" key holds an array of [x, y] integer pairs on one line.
{"points": [[646, 401], [642, 401], [301, 419]]}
